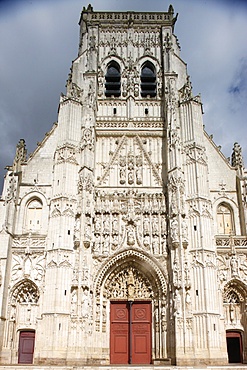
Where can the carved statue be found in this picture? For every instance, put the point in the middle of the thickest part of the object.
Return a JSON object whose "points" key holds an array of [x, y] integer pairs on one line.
{"points": [[122, 175], [155, 245], [184, 228], [174, 230], [106, 224], [130, 177], [138, 176], [106, 245], [96, 246], [130, 237], [163, 225], [115, 225], [87, 139], [131, 285], [114, 242], [85, 303], [97, 224], [146, 241], [87, 230], [146, 225], [155, 225], [177, 303]]}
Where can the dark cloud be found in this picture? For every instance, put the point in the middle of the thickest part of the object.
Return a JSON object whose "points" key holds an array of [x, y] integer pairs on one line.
{"points": [[239, 83]]}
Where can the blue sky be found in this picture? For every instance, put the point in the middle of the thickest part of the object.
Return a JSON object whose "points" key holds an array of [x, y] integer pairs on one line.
{"points": [[39, 40]]}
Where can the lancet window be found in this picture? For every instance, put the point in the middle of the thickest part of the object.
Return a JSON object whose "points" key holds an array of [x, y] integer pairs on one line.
{"points": [[225, 220], [148, 80], [33, 215], [113, 80]]}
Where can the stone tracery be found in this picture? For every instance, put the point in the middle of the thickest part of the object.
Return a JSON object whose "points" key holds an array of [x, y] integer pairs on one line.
{"points": [[25, 292], [117, 285]]}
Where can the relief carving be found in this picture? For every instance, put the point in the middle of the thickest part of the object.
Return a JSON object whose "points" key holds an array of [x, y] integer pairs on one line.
{"points": [[128, 284], [28, 266], [130, 167], [87, 140], [122, 220]]}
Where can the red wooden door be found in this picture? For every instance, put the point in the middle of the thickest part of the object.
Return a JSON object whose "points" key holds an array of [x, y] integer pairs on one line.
{"points": [[130, 334], [141, 333], [26, 347], [119, 335]]}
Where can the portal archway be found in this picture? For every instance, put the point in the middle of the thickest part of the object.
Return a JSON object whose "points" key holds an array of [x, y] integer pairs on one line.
{"points": [[133, 276], [234, 301]]}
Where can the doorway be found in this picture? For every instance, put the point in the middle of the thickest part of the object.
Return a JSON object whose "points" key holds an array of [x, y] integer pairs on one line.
{"points": [[26, 347], [130, 332], [234, 347]]}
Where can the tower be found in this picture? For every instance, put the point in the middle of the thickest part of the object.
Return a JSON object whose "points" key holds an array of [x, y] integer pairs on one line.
{"points": [[124, 232]]}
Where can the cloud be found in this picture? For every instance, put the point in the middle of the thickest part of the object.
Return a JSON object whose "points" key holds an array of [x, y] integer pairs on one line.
{"points": [[39, 39], [238, 87]]}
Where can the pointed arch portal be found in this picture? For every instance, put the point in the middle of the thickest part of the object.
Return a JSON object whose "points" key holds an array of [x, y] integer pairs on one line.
{"points": [[234, 300], [134, 288]]}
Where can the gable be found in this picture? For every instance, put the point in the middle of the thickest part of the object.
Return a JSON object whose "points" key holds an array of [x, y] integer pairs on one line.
{"points": [[220, 170], [128, 161]]}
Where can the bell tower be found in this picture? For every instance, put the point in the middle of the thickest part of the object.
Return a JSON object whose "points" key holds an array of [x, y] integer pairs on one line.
{"points": [[129, 247]]}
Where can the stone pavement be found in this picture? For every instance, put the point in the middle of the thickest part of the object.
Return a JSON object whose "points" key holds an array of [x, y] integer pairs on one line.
{"points": [[123, 367]]}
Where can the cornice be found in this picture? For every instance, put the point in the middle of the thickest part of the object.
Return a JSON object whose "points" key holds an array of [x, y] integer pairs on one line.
{"points": [[130, 18]]}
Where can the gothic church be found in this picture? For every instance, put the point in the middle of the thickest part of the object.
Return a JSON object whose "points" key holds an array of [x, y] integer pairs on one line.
{"points": [[123, 235]]}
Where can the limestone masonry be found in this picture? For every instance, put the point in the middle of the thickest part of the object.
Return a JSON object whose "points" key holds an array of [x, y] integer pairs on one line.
{"points": [[123, 235]]}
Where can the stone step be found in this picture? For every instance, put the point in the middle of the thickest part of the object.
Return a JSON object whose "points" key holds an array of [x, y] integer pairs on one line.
{"points": [[123, 367]]}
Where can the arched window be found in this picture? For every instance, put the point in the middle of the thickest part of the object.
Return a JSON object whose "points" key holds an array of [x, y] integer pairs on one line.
{"points": [[148, 80], [232, 297], [225, 219], [113, 80], [26, 292], [33, 215]]}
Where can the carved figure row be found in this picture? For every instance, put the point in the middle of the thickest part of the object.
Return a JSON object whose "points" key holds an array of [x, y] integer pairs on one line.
{"points": [[106, 244], [130, 201], [113, 224]]}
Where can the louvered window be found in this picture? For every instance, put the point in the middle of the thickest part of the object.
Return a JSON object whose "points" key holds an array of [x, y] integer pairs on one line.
{"points": [[148, 80], [113, 80]]}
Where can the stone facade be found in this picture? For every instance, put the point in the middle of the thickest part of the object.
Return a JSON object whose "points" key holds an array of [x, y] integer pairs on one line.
{"points": [[126, 206]]}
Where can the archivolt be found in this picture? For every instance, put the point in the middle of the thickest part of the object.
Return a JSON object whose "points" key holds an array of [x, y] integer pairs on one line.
{"points": [[141, 262], [26, 291], [236, 286]]}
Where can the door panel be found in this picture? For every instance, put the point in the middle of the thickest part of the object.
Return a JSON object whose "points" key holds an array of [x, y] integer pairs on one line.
{"points": [[26, 347], [119, 351], [141, 333], [140, 326]]}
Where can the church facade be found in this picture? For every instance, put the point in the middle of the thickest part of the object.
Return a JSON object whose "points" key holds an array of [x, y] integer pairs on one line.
{"points": [[123, 235]]}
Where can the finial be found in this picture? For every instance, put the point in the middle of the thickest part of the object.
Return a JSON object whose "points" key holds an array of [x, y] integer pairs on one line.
{"points": [[237, 159], [171, 9], [20, 155]]}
